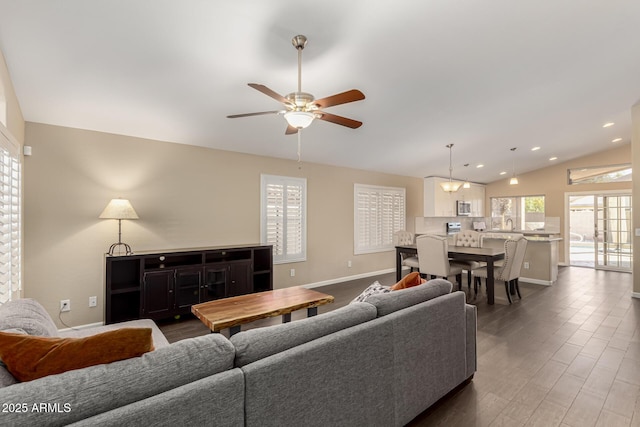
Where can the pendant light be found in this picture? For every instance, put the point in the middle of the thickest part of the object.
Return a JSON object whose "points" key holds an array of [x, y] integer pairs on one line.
{"points": [[514, 178], [466, 184], [450, 186]]}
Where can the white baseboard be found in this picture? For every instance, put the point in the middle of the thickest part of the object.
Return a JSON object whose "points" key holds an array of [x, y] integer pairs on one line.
{"points": [[347, 278], [90, 325], [536, 281]]}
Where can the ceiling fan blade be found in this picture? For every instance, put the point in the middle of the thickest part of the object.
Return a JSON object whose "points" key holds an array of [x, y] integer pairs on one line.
{"points": [[261, 113], [340, 98], [269, 92], [291, 130], [350, 123]]}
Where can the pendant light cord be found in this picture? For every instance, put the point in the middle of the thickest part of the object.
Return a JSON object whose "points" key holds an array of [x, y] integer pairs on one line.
{"points": [[450, 146]]}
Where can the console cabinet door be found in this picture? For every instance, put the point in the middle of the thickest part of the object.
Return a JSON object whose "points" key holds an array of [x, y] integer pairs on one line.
{"points": [[158, 293], [187, 286], [239, 281], [215, 282]]}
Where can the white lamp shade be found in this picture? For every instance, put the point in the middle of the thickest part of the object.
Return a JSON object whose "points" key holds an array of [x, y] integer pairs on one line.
{"points": [[450, 186], [299, 119], [466, 184], [513, 181], [119, 209]]}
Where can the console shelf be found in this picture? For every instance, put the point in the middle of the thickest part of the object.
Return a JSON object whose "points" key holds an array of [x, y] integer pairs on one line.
{"points": [[162, 284]]}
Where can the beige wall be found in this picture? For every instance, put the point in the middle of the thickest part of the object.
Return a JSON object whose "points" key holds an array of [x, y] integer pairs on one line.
{"points": [[552, 183], [185, 196]]}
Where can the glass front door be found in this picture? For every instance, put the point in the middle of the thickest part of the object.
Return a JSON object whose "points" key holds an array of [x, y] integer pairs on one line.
{"points": [[600, 231], [613, 232]]}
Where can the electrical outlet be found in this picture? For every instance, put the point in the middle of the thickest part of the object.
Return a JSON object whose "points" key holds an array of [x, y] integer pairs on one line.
{"points": [[93, 301], [65, 305], [293, 272], [349, 264], [526, 265]]}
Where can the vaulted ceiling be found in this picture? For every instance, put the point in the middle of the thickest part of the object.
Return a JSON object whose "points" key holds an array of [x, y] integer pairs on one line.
{"points": [[486, 76]]}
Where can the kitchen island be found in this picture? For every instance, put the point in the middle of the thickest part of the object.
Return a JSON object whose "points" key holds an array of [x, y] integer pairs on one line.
{"points": [[540, 264]]}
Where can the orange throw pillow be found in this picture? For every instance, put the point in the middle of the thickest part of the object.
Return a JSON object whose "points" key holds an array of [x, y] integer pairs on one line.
{"points": [[411, 279], [29, 357]]}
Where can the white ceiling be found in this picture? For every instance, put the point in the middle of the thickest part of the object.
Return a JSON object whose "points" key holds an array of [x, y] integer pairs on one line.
{"points": [[484, 75]]}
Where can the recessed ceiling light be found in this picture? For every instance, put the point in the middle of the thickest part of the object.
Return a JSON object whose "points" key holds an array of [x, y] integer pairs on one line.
{"points": [[553, 158], [606, 125], [480, 166], [617, 140], [535, 148], [503, 173]]}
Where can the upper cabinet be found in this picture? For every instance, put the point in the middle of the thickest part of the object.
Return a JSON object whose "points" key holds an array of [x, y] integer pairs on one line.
{"points": [[437, 202]]}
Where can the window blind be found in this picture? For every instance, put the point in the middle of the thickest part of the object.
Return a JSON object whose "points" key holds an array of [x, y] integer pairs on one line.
{"points": [[283, 218], [379, 212], [10, 218]]}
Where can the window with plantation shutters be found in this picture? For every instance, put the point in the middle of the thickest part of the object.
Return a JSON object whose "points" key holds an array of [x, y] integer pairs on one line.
{"points": [[378, 212], [10, 218], [283, 217]]}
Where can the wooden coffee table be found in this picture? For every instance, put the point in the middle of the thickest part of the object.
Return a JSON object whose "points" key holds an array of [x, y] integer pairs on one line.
{"points": [[236, 311]]}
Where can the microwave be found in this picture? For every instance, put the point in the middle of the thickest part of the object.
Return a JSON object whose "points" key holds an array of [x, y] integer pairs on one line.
{"points": [[463, 208]]}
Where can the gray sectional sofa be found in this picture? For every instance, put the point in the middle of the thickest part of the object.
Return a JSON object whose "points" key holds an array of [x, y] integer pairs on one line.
{"points": [[375, 363]]}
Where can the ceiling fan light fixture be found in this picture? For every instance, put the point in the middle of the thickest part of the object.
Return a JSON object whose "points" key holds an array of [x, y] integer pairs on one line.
{"points": [[299, 119]]}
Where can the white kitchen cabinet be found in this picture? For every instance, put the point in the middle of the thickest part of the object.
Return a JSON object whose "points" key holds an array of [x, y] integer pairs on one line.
{"points": [[439, 203]]}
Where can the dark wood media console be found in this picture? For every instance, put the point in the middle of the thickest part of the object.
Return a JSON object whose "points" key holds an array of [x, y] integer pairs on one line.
{"points": [[159, 285]]}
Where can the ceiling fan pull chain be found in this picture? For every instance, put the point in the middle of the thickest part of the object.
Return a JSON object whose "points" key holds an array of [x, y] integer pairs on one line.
{"points": [[299, 144]]}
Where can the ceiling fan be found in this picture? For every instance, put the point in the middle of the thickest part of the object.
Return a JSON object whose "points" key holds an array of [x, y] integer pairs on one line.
{"points": [[302, 108]]}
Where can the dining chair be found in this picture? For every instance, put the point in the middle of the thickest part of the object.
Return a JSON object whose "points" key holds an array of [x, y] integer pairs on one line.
{"points": [[509, 272], [401, 238], [468, 239], [433, 256]]}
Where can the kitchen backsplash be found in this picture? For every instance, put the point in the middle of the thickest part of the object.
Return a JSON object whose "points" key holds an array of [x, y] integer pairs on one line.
{"points": [[437, 225]]}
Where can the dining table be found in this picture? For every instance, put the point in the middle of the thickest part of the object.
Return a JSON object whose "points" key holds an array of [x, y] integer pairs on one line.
{"points": [[460, 253]]}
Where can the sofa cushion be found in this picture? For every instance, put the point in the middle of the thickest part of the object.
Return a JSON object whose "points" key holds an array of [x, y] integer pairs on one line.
{"points": [[27, 314], [342, 379], [259, 343], [372, 289], [101, 388], [397, 300], [31, 357]]}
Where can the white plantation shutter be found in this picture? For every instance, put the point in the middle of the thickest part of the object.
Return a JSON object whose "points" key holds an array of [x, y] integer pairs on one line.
{"points": [[283, 218], [10, 218], [378, 213]]}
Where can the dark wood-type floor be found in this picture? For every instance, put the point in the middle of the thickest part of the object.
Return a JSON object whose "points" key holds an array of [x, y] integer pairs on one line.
{"points": [[565, 355]]}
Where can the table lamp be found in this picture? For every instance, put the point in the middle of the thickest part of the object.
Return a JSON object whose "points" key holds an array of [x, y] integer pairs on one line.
{"points": [[119, 209]]}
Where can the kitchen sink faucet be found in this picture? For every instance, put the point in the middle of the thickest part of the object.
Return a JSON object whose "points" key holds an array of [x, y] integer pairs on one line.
{"points": [[509, 221]]}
